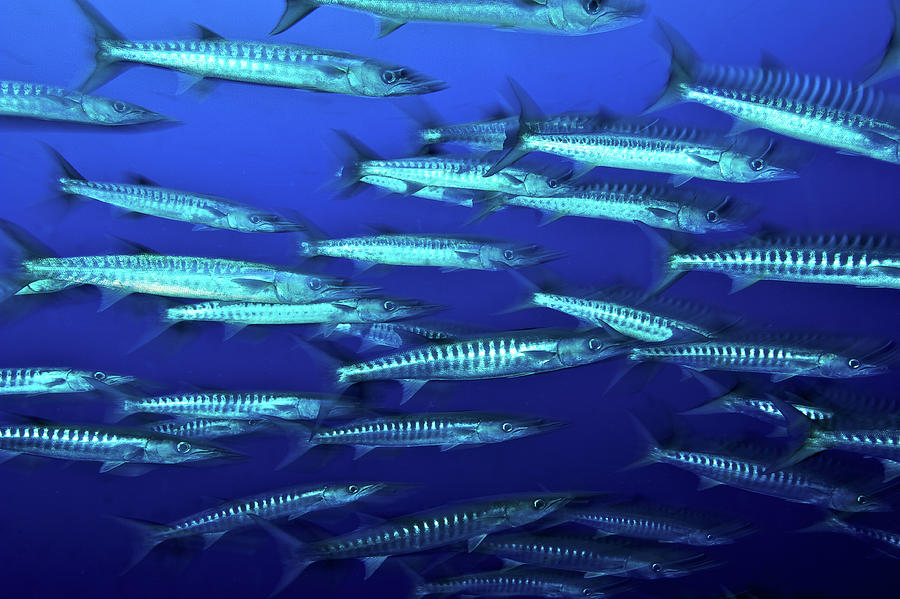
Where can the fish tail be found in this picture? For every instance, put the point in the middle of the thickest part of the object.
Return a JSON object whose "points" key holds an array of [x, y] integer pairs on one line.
{"points": [[64, 165], [106, 67], [683, 63], [299, 442], [513, 149], [20, 246], [294, 555], [148, 534], [665, 247], [355, 153], [889, 67], [650, 451], [294, 11]]}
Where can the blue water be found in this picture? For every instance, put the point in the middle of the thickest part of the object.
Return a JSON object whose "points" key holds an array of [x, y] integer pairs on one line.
{"points": [[274, 148]]}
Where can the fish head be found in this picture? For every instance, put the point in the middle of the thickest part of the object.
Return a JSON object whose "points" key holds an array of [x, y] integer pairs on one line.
{"points": [[676, 565], [573, 588], [720, 217], [851, 500], [511, 255], [341, 494], [578, 17], [844, 366], [373, 78], [385, 309], [299, 288], [525, 509], [83, 380], [741, 164], [589, 348], [496, 430], [261, 222], [176, 450], [541, 185], [117, 112]]}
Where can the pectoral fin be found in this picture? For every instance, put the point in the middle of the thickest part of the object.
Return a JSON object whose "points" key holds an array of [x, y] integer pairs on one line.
{"points": [[410, 388], [107, 466], [388, 26], [372, 564], [474, 542]]}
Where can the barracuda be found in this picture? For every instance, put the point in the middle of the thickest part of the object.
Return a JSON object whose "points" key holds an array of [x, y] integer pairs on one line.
{"points": [[654, 206], [207, 428], [49, 103], [780, 359], [562, 17], [520, 582], [445, 430], [498, 356], [35, 381], [203, 211], [760, 406], [863, 261], [623, 313], [830, 112], [888, 540], [422, 531], [214, 523], [282, 65], [388, 334], [447, 195], [430, 250], [480, 136], [112, 446], [248, 405], [598, 557]]}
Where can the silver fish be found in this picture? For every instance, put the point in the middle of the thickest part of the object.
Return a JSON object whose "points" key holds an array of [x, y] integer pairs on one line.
{"points": [[496, 356], [447, 195], [831, 112], [758, 405], [480, 136], [282, 65], [446, 252], [145, 197], [561, 17], [208, 428], [49, 103], [521, 582], [250, 405], [887, 541], [471, 521], [34, 381], [388, 334], [113, 447]]}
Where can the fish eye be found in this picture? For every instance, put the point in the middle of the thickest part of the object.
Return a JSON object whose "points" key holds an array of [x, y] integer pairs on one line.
{"points": [[100, 376], [853, 363], [315, 283], [539, 504], [252, 422], [390, 77], [353, 489], [255, 219], [592, 7], [390, 306], [709, 536], [862, 500], [656, 567], [586, 592], [712, 216], [509, 254], [507, 428], [183, 447], [595, 344], [757, 164], [119, 106], [552, 183]]}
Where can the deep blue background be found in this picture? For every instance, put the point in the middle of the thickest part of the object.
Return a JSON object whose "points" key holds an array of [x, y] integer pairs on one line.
{"points": [[272, 147]]}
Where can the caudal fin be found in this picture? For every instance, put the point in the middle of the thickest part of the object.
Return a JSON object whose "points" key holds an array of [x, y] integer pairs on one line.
{"points": [[353, 155], [890, 63], [106, 67], [683, 62], [513, 150], [149, 535], [293, 555], [294, 11]]}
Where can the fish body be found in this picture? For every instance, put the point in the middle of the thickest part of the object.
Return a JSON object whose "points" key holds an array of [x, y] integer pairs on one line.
{"points": [[350, 310], [595, 557], [428, 250], [34, 381], [179, 276], [862, 261], [655, 206], [883, 444], [242, 406], [518, 582], [282, 65], [447, 195], [819, 109], [649, 525], [496, 356], [778, 358], [480, 136], [760, 407], [48, 103], [389, 334], [112, 447], [886, 539], [560, 17], [208, 428]]}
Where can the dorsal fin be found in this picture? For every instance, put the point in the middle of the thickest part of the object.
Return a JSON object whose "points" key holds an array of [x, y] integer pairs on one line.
{"points": [[205, 33], [770, 62]]}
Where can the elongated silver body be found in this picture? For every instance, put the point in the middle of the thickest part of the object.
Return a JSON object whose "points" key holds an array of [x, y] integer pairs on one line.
{"points": [[33, 381], [760, 407], [876, 443], [447, 195], [888, 539], [781, 359], [390, 334], [50, 103], [209, 428], [862, 261], [178, 276], [518, 582], [654, 525], [481, 136], [245, 406]]}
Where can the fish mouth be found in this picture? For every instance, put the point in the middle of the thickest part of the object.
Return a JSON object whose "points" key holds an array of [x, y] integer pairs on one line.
{"points": [[280, 224], [534, 254], [214, 453], [148, 117], [118, 379], [346, 291], [417, 85], [539, 426], [421, 308]]}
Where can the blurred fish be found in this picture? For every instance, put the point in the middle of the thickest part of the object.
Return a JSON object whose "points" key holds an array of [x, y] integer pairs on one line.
{"points": [[890, 63], [249, 405], [780, 357], [602, 140], [35, 381], [389, 334], [655, 206], [146, 197], [441, 429], [447, 195], [562, 17], [113, 447], [500, 355], [854, 119], [212, 524], [521, 582], [750, 402], [887, 541], [451, 253], [283, 65], [481, 136], [842, 259], [49, 103], [208, 428], [597, 557], [422, 531]]}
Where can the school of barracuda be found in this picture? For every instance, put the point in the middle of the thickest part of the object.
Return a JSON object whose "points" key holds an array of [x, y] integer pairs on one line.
{"points": [[553, 543]]}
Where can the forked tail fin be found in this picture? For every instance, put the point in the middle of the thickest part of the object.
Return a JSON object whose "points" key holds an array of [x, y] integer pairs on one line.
{"points": [[106, 67]]}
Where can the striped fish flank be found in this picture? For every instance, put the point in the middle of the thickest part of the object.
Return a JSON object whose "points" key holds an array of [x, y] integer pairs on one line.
{"points": [[36, 381], [208, 428], [390, 334], [49, 103], [761, 407], [884, 539], [521, 582], [823, 110], [484, 136], [249, 405], [447, 195]]}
